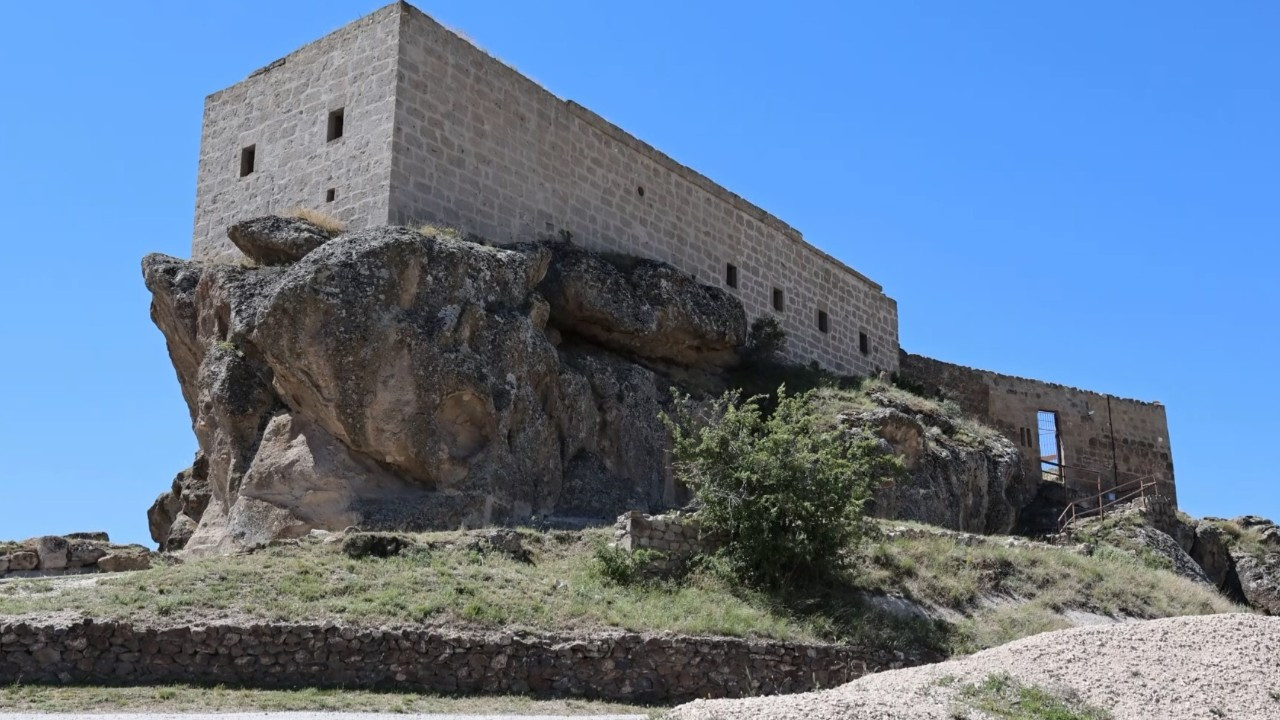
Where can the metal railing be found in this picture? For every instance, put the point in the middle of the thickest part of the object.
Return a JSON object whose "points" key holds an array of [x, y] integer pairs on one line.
{"points": [[1097, 505]]}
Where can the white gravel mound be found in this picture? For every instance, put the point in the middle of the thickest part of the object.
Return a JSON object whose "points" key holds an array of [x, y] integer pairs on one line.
{"points": [[1183, 668]]}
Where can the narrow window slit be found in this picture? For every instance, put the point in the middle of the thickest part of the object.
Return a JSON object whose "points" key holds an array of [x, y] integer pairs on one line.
{"points": [[335, 125], [247, 158]]}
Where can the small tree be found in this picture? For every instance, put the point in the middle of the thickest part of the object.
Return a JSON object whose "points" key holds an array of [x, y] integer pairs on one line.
{"points": [[785, 492]]}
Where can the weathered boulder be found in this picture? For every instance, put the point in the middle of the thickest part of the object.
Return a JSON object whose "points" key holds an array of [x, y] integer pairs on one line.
{"points": [[1157, 548], [1259, 576], [1211, 552], [502, 541], [274, 240], [52, 551], [362, 545], [23, 560], [643, 307], [83, 553], [124, 562], [973, 485], [4, 564], [400, 381]]}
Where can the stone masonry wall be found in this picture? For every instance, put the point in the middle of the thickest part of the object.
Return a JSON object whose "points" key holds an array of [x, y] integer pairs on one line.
{"points": [[1010, 404], [679, 537], [282, 110], [439, 131], [480, 147], [619, 666]]}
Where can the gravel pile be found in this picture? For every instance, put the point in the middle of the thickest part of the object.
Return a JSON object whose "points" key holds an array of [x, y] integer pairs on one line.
{"points": [[1183, 668]]}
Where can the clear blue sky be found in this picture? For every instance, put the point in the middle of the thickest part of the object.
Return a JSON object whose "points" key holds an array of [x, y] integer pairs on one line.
{"points": [[1079, 192]]}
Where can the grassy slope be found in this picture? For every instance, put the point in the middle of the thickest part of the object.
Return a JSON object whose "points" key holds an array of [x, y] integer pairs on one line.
{"points": [[562, 590], [1003, 593], [181, 698]]}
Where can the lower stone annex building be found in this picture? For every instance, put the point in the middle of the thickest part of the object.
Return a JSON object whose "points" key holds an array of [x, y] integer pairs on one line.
{"points": [[394, 119]]}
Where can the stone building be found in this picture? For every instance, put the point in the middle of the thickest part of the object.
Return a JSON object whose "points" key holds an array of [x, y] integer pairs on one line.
{"points": [[394, 119]]}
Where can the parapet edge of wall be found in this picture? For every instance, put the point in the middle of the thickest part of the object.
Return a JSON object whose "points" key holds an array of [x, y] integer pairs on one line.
{"points": [[613, 131], [368, 19], [904, 357]]}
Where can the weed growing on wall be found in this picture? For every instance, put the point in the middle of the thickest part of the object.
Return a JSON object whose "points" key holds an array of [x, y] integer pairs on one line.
{"points": [[786, 491]]}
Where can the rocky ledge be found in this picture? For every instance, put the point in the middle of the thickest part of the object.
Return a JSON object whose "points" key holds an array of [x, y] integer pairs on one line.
{"points": [[395, 380], [84, 552]]}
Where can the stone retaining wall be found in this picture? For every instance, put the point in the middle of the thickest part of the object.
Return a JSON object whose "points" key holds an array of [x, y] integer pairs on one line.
{"points": [[618, 667]]}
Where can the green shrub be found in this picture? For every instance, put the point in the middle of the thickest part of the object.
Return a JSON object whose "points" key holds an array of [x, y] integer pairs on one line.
{"points": [[764, 367], [766, 340], [616, 566], [785, 491]]}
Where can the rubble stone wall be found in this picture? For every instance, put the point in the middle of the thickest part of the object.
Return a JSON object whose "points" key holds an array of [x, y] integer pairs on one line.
{"points": [[678, 537], [619, 667]]}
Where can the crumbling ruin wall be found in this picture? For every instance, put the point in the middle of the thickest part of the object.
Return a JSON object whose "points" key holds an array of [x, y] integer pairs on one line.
{"points": [[1088, 422]]}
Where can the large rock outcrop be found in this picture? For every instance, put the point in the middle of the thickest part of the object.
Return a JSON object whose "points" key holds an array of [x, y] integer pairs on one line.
{"points": [[394, 380], [969, 483]]}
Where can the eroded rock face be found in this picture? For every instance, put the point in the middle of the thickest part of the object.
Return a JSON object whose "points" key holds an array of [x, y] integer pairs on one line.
{"points": [[973, 486], [396, 381]]}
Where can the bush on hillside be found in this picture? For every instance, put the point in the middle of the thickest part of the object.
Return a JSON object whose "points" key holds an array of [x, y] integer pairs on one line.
{"points": [[786, 491]]}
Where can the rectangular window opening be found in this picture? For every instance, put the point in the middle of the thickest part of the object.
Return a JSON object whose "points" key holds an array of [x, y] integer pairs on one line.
{"points": [[247, 160], [864, 345], [1051, 460], [778, 300], [731, 275], [335, 125], [823, 322], [330, 195]]}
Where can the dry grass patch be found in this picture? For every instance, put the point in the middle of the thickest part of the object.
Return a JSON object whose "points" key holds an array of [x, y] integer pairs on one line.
{"points": [[1247, 539], [185, 698], [440, 230], [320, 219]]}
